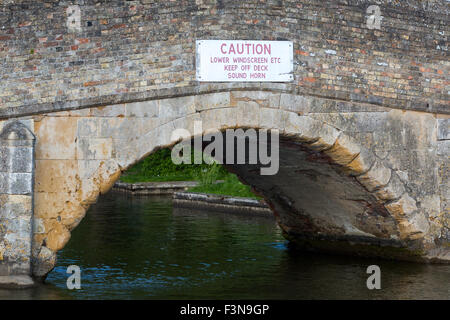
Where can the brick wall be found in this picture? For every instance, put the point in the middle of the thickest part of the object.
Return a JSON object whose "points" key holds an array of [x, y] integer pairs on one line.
{"points": [[138, 50]]}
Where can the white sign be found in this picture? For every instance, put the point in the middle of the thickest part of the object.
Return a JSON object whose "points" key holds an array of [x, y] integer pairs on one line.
{"points": [[242, 60]]}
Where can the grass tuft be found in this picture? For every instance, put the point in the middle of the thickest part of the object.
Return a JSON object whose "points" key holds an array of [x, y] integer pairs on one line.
{"points": [[158, 167]]}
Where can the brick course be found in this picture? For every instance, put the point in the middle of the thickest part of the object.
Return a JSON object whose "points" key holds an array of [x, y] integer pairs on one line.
{"points": [[131, 51]]}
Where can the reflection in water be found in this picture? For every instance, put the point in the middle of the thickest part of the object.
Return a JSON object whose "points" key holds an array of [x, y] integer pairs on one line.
{"points": [[141, 248]]}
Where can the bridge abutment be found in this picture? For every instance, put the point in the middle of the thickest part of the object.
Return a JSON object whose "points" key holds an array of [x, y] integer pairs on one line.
{"points": [[17, 144]]}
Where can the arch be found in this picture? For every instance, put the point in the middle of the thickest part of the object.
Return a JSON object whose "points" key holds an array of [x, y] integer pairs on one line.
{"points": [[98, 144], [16, 130]]}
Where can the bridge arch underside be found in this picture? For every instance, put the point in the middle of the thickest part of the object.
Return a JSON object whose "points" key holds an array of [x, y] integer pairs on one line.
{"points": [[352, 178]]}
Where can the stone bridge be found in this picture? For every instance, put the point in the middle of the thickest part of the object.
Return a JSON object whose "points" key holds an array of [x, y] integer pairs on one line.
{"points": [[89, 88]]}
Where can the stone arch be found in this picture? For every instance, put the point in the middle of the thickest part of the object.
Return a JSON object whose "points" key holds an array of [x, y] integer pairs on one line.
{"points": [[16, 130], [100, 143]]}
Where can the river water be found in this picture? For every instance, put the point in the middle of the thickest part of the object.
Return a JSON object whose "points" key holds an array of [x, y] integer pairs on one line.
{"points": [[143, 248]]}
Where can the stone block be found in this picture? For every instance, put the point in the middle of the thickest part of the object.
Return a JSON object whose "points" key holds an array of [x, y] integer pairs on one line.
{"points": [[146, 124], [247, 114], [295, 103], [293, 125], [443, 129], [72, 113], [87, 127], [118, 128], [271, 118], [212, 101], [344, 150], [57, 237], [16, 159], [16, 281], [56, 176], [164, 135], [94, 148], [43, 262], [38, 226], [378, 176], [353, 121], [17, 133], [97, 175], [319, 135], [393, 190], [55, 138], [188, 122], [14, 206], [404, 207], [215, 120], [361, 164], [16, 183], [4, 158], [264, 99], [47, 205], [174, 108], [145, 109], [443, 148]]}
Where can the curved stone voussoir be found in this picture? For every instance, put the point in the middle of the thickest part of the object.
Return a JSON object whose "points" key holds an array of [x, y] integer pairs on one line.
{"points": [[262, 98], [188, 122], [212, 101], [213, 121], [295, 103], [361, 164], [377, 177], [270, 118], [57, 237], [293, 124], [164, 136], [344, 150], [393, 190], [16, 282], [247, 114], [410, 221]]}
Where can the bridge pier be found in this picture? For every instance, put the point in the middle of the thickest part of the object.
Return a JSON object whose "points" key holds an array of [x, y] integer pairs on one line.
{"points": [[17, 144]]}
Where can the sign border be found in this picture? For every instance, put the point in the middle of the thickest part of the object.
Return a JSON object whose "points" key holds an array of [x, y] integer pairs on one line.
{"points": [[198, 64]]}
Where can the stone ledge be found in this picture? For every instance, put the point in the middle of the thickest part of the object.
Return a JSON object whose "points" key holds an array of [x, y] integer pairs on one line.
{"points": [[236, 205], [16, 282], [439, 255], [154, 187], [193, 90]]}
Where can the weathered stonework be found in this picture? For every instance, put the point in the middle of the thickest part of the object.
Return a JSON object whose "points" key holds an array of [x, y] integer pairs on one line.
{"points": [[153, 188], [59, 55], [365, 149], [228, 205], [16, 203], [349, 173]]}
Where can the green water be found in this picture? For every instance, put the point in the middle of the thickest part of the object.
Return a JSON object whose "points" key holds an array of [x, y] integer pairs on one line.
{"points": [[143, 248]]}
